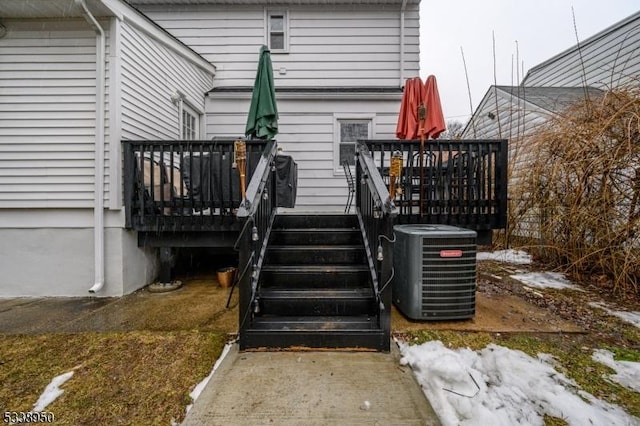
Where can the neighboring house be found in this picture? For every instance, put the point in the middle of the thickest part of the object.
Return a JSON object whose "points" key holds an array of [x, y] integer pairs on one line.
{"points": [[513, 112], [339, 68], [609, 59], [606, 60], [61, 218]]}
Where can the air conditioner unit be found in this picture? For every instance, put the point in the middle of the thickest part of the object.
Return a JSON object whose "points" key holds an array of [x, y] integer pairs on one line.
{"points": [[434, 271]]}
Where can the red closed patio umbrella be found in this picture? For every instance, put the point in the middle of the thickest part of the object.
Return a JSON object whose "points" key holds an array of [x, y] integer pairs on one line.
{"points": [[420, 117]]}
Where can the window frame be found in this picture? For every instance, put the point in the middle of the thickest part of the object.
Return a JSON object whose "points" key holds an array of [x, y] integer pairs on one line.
{"points": [[338, 119], [268, 14], [196, 130]]}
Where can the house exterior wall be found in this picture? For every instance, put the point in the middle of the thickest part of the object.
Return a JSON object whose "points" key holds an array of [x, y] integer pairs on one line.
{"points": [[308, 133], [57, 260], [47, 137], [329, 45], [607, 60], [513, 119], [151, 75], [47, 115]]}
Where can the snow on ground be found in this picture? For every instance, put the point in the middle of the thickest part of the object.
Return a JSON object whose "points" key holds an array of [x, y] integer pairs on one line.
{"points": [[51, 392], [630, 317], [545, 280], [499, 386], [627, 372], [195, 393], [517, 257]]}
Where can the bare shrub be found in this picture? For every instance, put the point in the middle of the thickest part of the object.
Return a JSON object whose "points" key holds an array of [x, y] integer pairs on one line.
{"points": [[582, 186]]}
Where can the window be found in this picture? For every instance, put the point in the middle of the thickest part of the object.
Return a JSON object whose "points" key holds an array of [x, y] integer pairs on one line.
{"points": [[190, 123], [277, 31], [349, 131]]}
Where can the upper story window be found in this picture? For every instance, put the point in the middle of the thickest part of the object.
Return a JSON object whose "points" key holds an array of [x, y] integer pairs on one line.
{"points": [[278, 31], [190, 123]]}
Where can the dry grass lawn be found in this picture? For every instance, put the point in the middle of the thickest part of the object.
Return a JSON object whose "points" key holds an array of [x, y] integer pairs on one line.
{"points": [[136, 377]]}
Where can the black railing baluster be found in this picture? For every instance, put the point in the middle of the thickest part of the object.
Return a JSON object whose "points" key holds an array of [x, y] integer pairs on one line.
{"points": [[142, 190], [156, 201], [465, 181]]}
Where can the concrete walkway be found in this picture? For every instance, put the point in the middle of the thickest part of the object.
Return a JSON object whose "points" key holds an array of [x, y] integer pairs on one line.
{"points": [[311, 388]]}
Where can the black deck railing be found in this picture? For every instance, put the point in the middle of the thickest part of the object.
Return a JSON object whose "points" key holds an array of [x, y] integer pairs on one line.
{"points": [[376, 214], [464, 182], [257, 214], [184, 185]]}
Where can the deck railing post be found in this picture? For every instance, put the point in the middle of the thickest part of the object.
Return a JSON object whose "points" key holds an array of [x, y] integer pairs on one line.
{"points": [[129, 183]]}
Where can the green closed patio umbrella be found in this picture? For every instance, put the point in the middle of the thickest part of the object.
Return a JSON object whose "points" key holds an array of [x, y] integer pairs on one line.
{"points": [[262, 121]]}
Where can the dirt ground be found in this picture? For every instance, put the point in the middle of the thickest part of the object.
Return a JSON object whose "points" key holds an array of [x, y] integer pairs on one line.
{"points": [[502, 305]]}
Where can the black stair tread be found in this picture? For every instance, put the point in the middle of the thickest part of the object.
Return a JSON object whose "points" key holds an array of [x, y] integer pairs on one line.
{"points": [[314, 323], [321, 293], [316, 247], [357, 267], [284, 221], [321, 230]]}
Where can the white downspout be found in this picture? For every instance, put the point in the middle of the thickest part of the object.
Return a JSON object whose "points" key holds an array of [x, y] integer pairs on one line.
{"points": [[98, 206], [404, 6]]}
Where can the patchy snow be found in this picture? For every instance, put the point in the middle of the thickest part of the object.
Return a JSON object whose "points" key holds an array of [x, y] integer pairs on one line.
{"points": [[517, 257], [499, 386], [195, 393], [52, 391], [631, 317], [555, 280], [627, 372]]}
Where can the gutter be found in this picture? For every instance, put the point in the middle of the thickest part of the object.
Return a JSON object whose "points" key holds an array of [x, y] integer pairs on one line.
{"points": [[402, 9], [98, 196]]}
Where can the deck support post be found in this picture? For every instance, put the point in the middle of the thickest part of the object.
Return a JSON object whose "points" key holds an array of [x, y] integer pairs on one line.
{"points": [[167, 262]]}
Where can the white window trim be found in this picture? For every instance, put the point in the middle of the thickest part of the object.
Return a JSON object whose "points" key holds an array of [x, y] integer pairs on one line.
{"points": [[337, 167], [267, 28], [182, 103], [186, 107]]}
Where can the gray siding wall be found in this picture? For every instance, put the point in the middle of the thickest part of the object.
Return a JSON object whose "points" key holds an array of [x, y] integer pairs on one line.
{"points": [[151, 74], [47, 115], [606, 60], [513, 117], [329, 45], [514, 120]]}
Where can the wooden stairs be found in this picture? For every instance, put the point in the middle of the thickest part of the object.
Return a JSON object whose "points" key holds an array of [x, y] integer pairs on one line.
{"points": [[315, 289]]}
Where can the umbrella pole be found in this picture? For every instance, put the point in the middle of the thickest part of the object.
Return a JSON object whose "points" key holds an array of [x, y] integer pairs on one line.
{"points": [[422, 115], [421, 176]]}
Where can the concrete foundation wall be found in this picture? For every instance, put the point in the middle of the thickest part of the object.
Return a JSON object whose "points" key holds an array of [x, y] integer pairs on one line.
{"points": [[59, 262]]}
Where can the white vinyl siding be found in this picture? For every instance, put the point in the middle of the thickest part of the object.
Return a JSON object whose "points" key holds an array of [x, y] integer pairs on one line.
{"points": [[47, 115], [328, 45], [307, 134], [151, 75], [606, 60]]}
